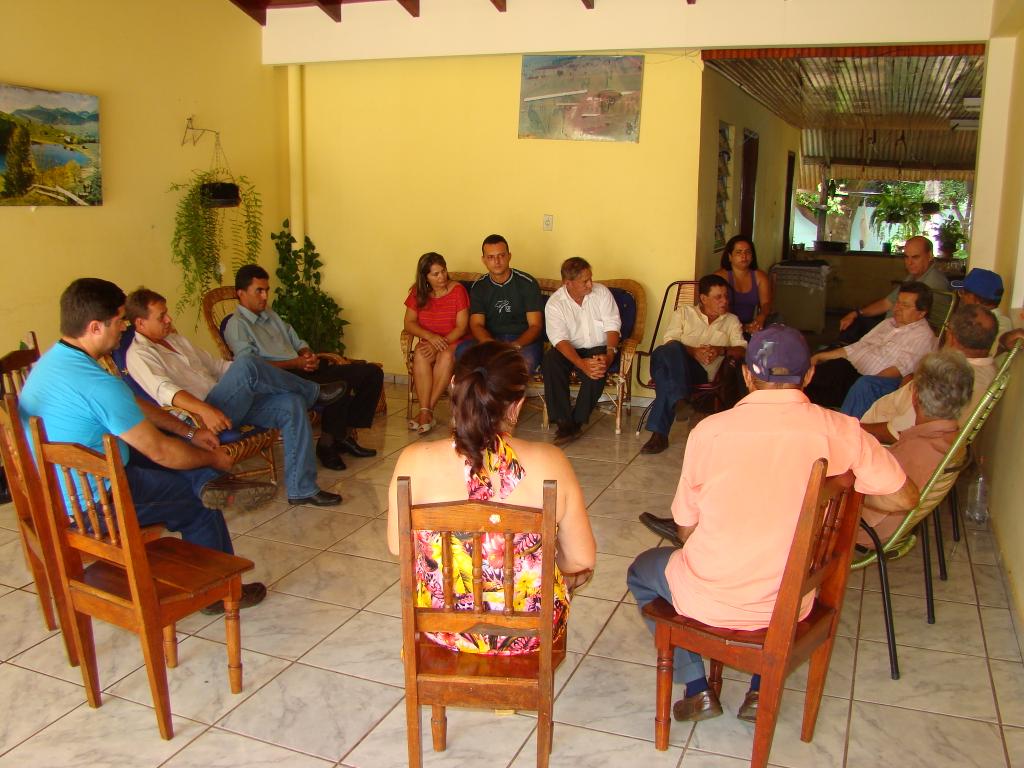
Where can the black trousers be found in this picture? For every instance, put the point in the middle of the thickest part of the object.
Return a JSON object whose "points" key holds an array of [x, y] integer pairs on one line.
{"points": [[358, 407], [557, 369], [832, 380]]}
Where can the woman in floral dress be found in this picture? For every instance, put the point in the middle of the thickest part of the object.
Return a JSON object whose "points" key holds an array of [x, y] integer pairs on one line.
{"points": [[484, 461]]}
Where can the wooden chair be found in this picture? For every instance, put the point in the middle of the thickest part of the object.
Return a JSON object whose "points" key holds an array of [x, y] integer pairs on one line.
{"points": [[218, 306], [143, 587], [679, 294], [439, 677], [29, 506], [15, 366], [818, 560], [914, 526]]}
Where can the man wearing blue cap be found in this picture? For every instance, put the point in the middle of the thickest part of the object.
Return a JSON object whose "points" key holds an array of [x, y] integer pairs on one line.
{"points": [[743, 481], [984, 287]]}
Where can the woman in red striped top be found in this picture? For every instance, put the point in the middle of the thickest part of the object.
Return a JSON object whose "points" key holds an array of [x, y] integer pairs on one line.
{"points": [[437, 313]]}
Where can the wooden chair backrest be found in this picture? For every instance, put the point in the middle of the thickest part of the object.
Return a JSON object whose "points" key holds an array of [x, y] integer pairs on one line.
{"points": [[22, 477], [15, 366], [91, 512], [473, 519], [819, 558], [218, 303]]}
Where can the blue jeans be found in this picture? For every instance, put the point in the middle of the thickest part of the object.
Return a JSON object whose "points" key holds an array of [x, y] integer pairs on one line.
{"points": [[646, 580], [532, 351], [255, 392], [865, 391], [675, 373], [171, 497]]}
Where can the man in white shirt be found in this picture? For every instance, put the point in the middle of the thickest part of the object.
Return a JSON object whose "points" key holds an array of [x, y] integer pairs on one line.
{"points": [[888, 352], [582, 323], [223, 393], [696, 343]]}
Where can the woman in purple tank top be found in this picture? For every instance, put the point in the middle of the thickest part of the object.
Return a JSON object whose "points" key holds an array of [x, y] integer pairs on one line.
{"points": [[751, 291]]}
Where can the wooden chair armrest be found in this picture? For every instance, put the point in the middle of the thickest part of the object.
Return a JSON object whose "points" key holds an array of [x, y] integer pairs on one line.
{"points": [[405, 342], [627, 352]]}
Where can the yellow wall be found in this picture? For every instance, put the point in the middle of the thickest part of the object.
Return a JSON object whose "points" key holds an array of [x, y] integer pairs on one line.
{"points": [[721, 101], [152, 65], [404, 157], [1001, 441]]}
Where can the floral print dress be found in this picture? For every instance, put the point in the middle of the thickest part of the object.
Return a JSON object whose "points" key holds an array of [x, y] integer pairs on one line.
{"points": [[501, 461]]}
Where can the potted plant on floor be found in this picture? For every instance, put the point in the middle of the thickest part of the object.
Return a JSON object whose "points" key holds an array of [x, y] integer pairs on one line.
{"points": [[949, 233]]}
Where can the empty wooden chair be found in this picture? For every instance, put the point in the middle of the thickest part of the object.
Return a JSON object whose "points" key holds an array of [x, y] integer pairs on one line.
{"points": [[441, 677], [143, 587], [818, 560], [15, 366], [29, 506]]}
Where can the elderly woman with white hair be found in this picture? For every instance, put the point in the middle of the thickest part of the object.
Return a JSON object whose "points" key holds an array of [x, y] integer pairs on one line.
{"points": [[943, 385]]}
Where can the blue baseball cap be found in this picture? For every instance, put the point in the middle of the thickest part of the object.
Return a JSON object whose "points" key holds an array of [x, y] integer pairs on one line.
{"points": [[983, 283], [778, 354]]}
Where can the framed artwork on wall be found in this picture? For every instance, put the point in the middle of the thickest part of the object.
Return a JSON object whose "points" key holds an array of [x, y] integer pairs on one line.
{"points": [[49, 147], [581, 98]]}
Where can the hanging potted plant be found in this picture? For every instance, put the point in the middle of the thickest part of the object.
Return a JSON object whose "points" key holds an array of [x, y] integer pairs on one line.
{"points": [[899, 206], [213, 203]]}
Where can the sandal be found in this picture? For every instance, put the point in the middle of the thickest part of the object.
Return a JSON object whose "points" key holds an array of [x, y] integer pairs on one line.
{"points": [[424, 428], [415, 425]]}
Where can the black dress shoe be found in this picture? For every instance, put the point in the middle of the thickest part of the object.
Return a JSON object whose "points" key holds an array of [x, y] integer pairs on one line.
{"points": [[700, 706], [665, 527], [330, 393], [656, 444], [251, 595], [319, 499], [567, 432], [329, 457], [349, 445]]}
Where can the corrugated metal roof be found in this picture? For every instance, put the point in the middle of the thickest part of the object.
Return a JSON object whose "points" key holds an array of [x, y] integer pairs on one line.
{"points": [[870, 107]]}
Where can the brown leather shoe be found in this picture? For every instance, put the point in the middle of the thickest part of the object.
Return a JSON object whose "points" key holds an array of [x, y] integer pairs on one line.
{"points": [[748, 709], [657, 443], [252, 594], [700, 706]]}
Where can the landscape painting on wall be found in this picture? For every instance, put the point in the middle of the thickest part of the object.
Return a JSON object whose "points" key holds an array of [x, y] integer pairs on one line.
{"points": [[582, 98], [49, 147]]}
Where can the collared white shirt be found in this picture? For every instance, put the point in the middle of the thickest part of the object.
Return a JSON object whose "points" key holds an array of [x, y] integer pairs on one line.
{"points": [[692, 328], [887, 345], [163, 373], [585, 325]]}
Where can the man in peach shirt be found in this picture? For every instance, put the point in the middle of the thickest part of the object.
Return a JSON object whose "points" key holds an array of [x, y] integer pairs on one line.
{"points": [[744, 476]]}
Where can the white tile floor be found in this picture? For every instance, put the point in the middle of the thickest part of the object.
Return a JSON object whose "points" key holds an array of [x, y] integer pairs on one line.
{"points": [[323, 677]]}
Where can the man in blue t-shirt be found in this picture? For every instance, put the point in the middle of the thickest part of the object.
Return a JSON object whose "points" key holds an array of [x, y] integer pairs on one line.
{"points": [[79, 402], [505, 304]]}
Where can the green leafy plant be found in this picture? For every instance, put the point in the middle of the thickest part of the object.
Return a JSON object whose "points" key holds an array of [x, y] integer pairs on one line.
{"points": [[949, 233], [899, 206], [198, 242], [300, 300]]}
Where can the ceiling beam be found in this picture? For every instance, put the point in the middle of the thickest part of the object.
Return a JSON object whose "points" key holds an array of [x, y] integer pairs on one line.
{"points": [[331, 9], [255, 9], [862, 51], [412, 6], [588, 4], [500, 5], [881, 162]]}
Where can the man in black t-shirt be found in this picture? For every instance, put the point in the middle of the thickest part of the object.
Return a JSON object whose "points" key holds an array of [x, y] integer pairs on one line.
{"points": [[505, 304]]}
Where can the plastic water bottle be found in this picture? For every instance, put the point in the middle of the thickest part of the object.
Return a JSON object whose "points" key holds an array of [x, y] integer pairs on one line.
{"points": [[977, 498]]}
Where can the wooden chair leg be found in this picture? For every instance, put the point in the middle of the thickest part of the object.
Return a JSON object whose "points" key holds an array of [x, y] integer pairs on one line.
{"points": [[715, 677], [156, 671], [233, 637], [544, 739], [35, 566], [663, 689], [439, 727], [883, 582], [929, 593], [940, 548], [817, 672], [767, 716], [413, 727], [85, 647], [170, 646]]}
